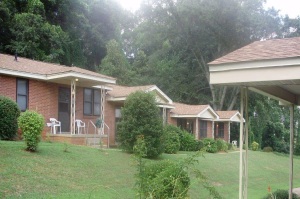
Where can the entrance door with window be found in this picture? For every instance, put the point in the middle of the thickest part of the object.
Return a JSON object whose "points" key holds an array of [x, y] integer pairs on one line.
{"points": [[64, 108]]}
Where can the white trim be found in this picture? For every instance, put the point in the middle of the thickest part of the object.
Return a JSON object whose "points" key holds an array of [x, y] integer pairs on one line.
{"points": [[47, 77], [104, 87], [22, 74], [116, 99], [160, 92], [211, 110], [254, 64], [166, 106]]}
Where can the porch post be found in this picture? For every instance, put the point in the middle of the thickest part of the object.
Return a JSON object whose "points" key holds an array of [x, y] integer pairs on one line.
{"points": [[73, 97], [246, 145], [213, 129], [228, 131], [241, 145], [291, 149], [164, 115], [197, 129]]}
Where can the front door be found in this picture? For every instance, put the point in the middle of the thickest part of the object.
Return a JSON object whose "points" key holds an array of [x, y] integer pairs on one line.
{"points": [[64, 108]]}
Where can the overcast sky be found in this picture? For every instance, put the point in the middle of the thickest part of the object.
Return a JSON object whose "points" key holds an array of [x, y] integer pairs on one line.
{"points": [[289, 7]]}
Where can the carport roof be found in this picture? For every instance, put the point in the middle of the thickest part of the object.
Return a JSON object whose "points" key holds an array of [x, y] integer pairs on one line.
{"points": [[269, 67]]}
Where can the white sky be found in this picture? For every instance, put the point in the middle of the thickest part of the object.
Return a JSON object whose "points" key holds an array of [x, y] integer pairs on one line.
{"points": [[290, 7]]}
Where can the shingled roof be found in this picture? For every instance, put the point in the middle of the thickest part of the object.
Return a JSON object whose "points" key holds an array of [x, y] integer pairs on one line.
{"points": [[41, 70], [226, 114], [186, 109], [263, 50], [124, 91]]}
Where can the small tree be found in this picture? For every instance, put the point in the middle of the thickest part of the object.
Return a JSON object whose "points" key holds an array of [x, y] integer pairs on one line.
{"points": [[9, 113], [31, 124], [141, 117], [171, 140]]}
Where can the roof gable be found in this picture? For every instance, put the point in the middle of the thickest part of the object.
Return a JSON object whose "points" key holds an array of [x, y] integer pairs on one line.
{"points": [[120, 93], [233, 116], [200, 111], [28, 68], [263, 50]]}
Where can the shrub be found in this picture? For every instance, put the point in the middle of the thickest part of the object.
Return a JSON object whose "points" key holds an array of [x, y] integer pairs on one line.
{"points": [[9, 113], [165, 179], [254, 146], [297, 149], [267, 149], [31, 124], [221, 145], [187, 142], [171, 140], [280, 194], [199, 145], [140, 116], [210, 145], [281, 146]]}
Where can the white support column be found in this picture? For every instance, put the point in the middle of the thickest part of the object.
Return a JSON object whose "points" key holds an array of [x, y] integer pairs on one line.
{"points": [[246, 146], [102, 110], [228, 131], [164, 115], [213, 129], [73, 102], [197, 129], [241, 187], [291, 149]]}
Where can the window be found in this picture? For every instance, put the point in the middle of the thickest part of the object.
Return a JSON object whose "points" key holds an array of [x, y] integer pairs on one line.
{"points": [[203, 129], [91, 102], [186, 124], [22, 94], [219, 129]]}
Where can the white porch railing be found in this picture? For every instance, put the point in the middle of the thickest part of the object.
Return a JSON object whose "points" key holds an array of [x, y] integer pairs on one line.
{"points": [[100, 132]]}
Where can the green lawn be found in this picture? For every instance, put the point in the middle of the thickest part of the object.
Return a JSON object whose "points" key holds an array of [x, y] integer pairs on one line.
{"points": [[85, 172]]}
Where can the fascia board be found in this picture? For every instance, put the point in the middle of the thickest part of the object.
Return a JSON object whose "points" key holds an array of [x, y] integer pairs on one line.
{"points": [[80, 75], [161, 93], [22, 74]]}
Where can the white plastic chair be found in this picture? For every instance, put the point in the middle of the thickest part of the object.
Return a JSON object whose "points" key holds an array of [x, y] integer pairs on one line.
{"points": [[80, 125], [54, 123], [234, 143]]}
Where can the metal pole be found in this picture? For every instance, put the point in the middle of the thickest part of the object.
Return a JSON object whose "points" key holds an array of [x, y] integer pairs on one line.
{"points": [[73, 101], [246, 145], [241, 144], [197, 129], [291, 149]]}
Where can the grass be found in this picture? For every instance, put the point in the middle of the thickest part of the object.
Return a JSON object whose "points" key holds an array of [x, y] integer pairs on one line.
{"points": [[84, 172]]}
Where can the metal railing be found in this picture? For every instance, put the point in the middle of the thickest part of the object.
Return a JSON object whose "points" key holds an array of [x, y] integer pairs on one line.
{"points": [[101, 132]]}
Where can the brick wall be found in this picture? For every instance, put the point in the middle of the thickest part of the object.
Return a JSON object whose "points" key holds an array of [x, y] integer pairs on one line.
{"points": [[8, 86]]}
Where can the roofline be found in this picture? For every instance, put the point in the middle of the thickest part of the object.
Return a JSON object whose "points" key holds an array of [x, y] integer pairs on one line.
{"points": [[47, 77], [160, 91], [212, 111]]}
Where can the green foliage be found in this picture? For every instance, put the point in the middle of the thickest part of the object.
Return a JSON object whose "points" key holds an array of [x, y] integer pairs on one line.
{"points": [[280, 194], [254, 146], [140, 116], [273, 136], [187, 141], [31, 124], [267, 149], [210, 145], [297, 149], [221, 145], [171, 140], [165, 179], [9, 113]]}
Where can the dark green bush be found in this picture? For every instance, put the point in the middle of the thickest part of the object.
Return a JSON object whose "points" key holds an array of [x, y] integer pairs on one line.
{"points": [[297, 149], [221, 145], [165, 179], [187, 142], [31, 124], [9, 113], [281, 146], [199, 145], [140, 116], [280, 194], [210, 145], [171, 140], [267, 149]]}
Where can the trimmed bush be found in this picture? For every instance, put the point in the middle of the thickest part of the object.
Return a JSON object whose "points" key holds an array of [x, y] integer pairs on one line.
{"points": [[254, 146], [187, 142], [210, 145], [281, 194], [31, 124], [221, 145], [171, 140], [9, 113], [165, 179], [140, 116], [267, 149], [199, 145]]}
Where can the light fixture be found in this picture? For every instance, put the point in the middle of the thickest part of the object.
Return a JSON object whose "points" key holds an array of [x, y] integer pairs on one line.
{"points": [[76, 80]]}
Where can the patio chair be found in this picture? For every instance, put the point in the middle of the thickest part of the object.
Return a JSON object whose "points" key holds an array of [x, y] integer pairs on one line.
{"points": [[54, 123], [80, 125], [234, 143]]}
